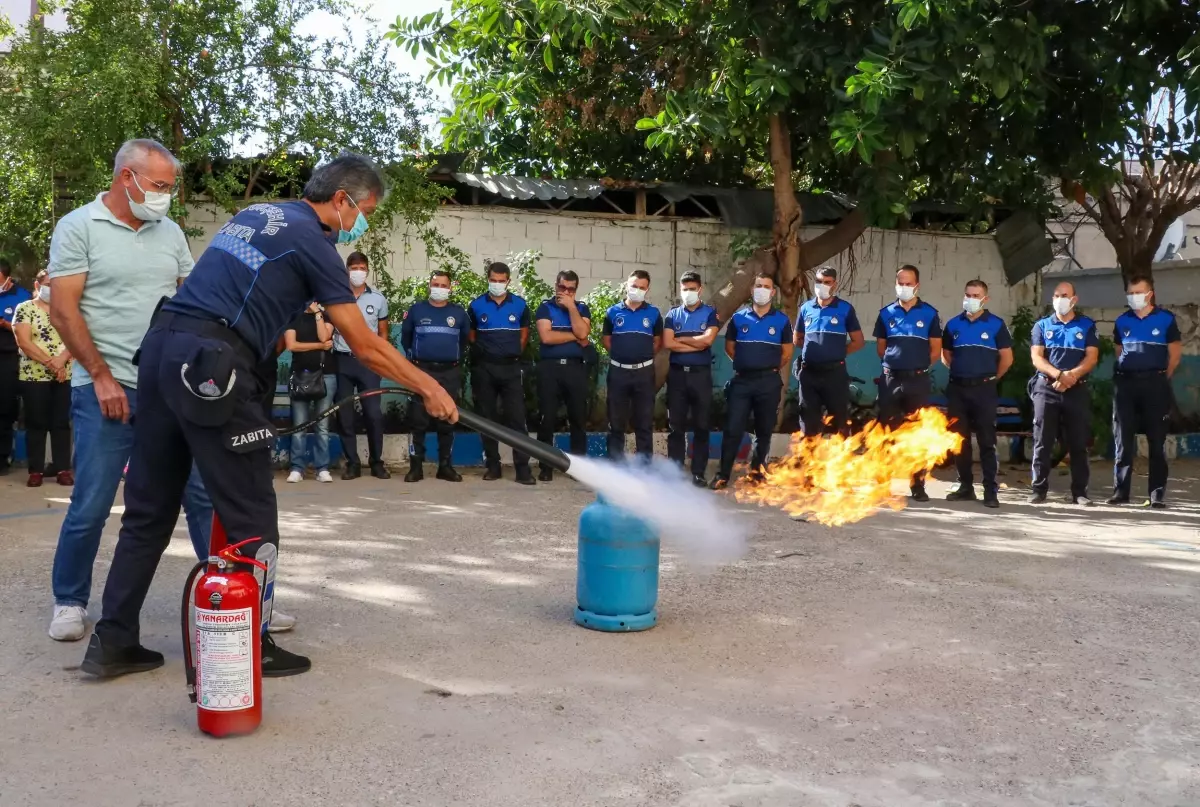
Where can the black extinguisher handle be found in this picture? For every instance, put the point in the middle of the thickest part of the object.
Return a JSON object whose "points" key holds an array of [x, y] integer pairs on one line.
{"points": [[185, 612]]}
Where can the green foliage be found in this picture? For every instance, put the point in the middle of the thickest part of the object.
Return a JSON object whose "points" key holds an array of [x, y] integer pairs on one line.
{"points": [[1021, 330]]}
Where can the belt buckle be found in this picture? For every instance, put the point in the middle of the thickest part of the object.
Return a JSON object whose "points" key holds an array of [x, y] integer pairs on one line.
{"points": [[562, 361]]}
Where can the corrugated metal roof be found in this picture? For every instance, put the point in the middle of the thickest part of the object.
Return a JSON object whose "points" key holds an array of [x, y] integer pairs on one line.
{"points": [[526, 188]]}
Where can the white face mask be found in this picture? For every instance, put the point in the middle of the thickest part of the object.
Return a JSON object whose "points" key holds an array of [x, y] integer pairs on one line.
{"points": [[438, 294], [156, 206], [44, 293], [972, 305], [762, 296], [1137, 301], [822, 291], [497, 289], [1063, 306], [905, 293], [358, 277], [689, 296], [635, 294]]}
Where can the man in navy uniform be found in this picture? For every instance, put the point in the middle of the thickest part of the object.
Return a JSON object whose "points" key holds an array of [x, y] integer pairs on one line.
{"points": [[908, 338], [632, 335], [434, 336], [826, 331], [11, 295], [759, 341], [1065, 349], [563, 325], [1149, 347], [978, 350], [688, 332], [500, 332], [200, 397]]}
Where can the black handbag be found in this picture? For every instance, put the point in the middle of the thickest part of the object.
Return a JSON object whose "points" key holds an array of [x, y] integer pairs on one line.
{"points": [[308, 385]]}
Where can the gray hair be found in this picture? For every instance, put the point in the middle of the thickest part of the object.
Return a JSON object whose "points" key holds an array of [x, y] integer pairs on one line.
{"points": [[133, 153], [355, 174]]}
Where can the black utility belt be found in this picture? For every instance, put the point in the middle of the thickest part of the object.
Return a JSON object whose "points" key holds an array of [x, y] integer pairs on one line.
{"points": [[905, 373], [821, 367], [570, 360], [977, 381], [434, 365], [692, 368], [211, 329], [1139, 373], [757, 372]]}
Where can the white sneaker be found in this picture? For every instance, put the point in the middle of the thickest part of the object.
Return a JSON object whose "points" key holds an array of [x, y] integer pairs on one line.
{"points": [[281, 622], [295, 476], [324, 476], [68, 624]]}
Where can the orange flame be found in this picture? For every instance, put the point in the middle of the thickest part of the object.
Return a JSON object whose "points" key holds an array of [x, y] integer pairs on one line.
{"points": [[840, 480]]}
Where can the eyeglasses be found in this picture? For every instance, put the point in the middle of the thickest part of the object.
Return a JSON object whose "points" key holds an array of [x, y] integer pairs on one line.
{"points": [[561, 287], [157, 187]]}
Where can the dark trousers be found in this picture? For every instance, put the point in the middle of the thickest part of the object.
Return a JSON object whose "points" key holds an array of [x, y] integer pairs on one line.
{"points": [[47, 410], [165, 443], [10, 388], [899, 397], [689, 406], [1141, 403], [560, 382], [747, 395], [450, 379], [499, 391], [1072, 411], [973, 410], [630, 402], [824, 393], [353, 376]]}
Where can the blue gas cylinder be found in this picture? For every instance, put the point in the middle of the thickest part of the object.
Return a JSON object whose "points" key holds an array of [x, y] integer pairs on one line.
{"points": [[617, 584]]}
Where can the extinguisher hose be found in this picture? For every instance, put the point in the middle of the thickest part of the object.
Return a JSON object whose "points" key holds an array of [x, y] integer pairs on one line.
{"points": [[185, 612]]}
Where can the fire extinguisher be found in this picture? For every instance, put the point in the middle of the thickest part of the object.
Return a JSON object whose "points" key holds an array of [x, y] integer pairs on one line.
{"points": [[222, 640]]}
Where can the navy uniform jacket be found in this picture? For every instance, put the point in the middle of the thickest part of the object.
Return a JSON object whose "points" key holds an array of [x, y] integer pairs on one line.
{"points": [[261, 270], [433, 333], [632, 332], [497, 325], [976, 345], [826, 330], [1144, 340], [692, 323], [760, 340], [907, 334], [560, 320], [1066, 343]]}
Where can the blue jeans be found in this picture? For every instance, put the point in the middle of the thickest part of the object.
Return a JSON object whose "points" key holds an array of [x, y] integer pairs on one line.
{"points": [[198, 509], [102, 448], [302, 411]]}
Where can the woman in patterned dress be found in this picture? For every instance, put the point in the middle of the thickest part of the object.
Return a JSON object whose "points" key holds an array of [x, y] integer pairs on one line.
{"points": [[45, 379]]}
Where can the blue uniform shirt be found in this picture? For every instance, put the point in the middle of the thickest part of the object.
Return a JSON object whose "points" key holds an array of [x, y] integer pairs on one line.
{"points": [[632, 332], [1144, 340], [907, 334], [9, 300], [1066, 343], [498, 324], [826, 330], [760, 340], [432, 333], [560, 320], [692, 323], [261, 270], [976, 345]]}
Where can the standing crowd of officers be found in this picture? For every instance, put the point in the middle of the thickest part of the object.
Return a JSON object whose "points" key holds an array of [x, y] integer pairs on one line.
{"points": [[975, 345]]}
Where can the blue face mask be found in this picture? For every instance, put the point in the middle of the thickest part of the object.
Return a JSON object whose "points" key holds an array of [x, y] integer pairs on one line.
{"points": [[355, 232]]}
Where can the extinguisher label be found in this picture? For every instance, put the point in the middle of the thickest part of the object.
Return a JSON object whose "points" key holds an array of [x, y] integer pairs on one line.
{"points": [[225, 659]]}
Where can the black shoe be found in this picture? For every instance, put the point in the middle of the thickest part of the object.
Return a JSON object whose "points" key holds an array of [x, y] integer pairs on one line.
{"points": [[351, 472], [919, 495], [965, 493], [493, 473], [1082, 501], [991, 500], [380, 471], [754, 476], [546, 475], [1158, 505], [279, 663], [416, 472], [524, 477], [1117, 499], [109, 661], [447, 474], [699, 481], [719, 482], [1037, 498]]}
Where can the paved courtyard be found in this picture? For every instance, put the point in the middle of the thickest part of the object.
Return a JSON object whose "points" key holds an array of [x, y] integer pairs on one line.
{"points": [[944, 655]]}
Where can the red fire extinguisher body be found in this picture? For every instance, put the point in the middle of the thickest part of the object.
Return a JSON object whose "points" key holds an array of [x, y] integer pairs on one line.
{"points": [[227, 649]]}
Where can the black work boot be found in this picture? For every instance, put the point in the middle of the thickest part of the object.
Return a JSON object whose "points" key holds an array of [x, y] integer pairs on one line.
{"points": [[524, 476], [492, 473], [991, 499], [546, 474], [919, 494], [353, 471], [380, 471], [106, 660], [447, 473], [279, 663], [964, 493], [719, 482], [416, 471]]}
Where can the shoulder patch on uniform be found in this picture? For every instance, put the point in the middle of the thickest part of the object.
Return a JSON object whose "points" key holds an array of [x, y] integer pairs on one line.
{"points": [[646, 322], [450, 321], [1156, 332], [370, 309], [512, 317], [1079, 334], [985, 336], [833, 320], [620, 321]]}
